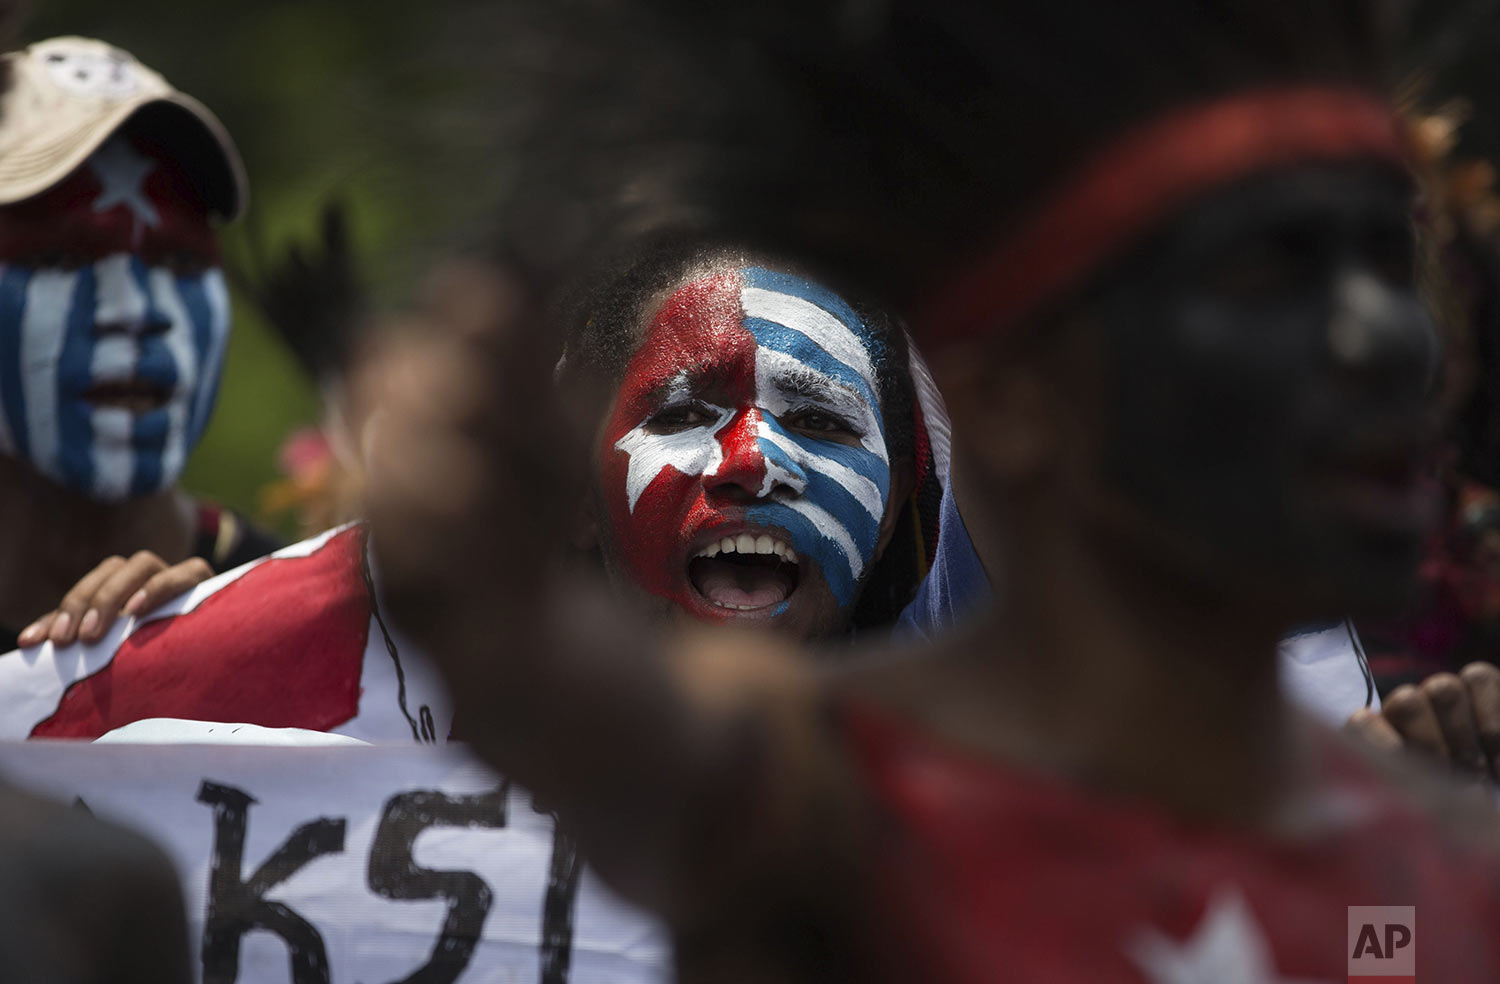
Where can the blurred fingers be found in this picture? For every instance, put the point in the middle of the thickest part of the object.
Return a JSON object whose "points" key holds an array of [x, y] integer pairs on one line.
{"points": [[1411, 714], [1483, 683], [1375, 729], [1450, 702]]}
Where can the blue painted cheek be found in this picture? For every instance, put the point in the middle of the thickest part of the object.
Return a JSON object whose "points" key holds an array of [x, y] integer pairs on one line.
{"points": [[811, 545], [148, 442], [834, 498], [194, 294]]}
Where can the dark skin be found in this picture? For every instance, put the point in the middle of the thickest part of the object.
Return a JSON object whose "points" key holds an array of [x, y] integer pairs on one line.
{"points": [[117, 586], [55, 537], [1140, 631], [85, 902], [312, 293], [1453, 718]]}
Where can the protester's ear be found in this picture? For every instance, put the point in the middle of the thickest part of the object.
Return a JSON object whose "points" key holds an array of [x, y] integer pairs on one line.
{"points": [[903, 480]]}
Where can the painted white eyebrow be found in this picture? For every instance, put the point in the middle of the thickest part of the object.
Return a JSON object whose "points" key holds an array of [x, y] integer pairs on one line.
{"points": [[797, 385], [772, 366]]}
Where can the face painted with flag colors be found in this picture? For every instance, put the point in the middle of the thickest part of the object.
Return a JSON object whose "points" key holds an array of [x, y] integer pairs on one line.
{"points": [[113, 322], [744, 464]]}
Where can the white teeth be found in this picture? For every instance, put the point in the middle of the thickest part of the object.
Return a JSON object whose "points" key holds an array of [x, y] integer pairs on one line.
{"points": [[747, 543], [739, 608]]}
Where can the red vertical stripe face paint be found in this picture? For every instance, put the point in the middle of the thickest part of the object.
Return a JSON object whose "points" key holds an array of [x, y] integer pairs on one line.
{"points": [[656, 496]]}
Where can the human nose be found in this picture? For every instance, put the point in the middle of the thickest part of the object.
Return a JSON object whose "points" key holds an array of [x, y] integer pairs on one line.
{"points": [[124, 302], [1382, 335], [746, 469]]}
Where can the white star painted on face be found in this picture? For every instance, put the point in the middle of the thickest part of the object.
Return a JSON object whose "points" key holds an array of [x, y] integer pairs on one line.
{"points": [[1228, 947], [122, 171], [692, 452]]}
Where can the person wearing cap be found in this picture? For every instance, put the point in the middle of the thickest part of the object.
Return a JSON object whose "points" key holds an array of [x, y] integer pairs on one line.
{"points": [[114, 317], [84, 901]]}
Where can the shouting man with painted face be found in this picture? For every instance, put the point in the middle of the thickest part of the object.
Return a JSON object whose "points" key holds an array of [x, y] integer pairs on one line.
{"points": [[756, 463], [113, 320]]}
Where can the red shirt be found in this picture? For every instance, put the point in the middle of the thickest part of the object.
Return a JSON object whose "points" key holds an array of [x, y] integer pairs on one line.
{"points": [[996, 874]]}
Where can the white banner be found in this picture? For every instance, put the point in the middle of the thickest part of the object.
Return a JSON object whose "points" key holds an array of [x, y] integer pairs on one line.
{"points": [[356, 865]]}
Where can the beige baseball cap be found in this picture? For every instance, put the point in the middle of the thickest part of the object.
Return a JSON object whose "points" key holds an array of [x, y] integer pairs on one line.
{"points": [[68, 95]]}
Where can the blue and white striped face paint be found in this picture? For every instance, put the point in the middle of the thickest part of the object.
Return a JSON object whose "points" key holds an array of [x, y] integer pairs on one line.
{"points": [[749, 417], [814, 354], [113, 323]]}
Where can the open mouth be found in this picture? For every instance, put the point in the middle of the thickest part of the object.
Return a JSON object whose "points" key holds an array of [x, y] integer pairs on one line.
{"points": [[746, 572], [135, 396]]}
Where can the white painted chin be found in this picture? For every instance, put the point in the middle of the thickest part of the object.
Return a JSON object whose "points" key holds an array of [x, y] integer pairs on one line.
{"points": [[116, 457]]}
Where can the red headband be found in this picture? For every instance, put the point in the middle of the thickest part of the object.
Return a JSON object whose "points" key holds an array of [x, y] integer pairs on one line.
{"points": [[1142, 177]]}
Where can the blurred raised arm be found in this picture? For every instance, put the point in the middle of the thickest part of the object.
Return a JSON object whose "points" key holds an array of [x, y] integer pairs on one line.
{"points": [[652, 744]]}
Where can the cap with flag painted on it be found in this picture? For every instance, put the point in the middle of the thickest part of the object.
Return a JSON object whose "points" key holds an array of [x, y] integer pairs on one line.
{"points": [[68, 95]]}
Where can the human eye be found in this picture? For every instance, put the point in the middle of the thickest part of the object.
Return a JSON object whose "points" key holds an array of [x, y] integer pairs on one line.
{"points": [[819, 422], [681, 416]]}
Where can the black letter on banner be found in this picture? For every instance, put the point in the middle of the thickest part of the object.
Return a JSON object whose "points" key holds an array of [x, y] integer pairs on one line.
{"points": [[237, 906], [557, 909], [395, 875]]}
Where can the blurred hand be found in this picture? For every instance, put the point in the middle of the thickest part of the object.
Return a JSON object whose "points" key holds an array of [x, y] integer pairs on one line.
{"points": [[311, 293], [1451, 717], [116, 587], [476, 462]]}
